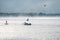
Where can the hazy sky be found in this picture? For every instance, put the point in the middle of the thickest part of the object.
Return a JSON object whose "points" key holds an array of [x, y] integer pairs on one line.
{"points": [[26, 6]]}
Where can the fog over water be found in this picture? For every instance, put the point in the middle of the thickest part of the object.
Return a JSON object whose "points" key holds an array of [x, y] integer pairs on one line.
{"points": [[43, 19], [42, 28]]}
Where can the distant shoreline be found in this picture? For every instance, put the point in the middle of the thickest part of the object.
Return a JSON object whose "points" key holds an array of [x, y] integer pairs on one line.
{"points": [[29, 14]]}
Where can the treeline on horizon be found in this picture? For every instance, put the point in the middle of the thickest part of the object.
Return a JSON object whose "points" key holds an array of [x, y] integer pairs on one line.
{"points": [[29, 14]]}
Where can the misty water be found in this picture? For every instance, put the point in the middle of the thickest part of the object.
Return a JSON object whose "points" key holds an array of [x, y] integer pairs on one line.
{"points": [[42, 28], [44, 17]]}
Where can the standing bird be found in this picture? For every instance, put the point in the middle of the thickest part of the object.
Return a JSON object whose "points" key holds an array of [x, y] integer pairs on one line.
{"points": [[6, 23], [27, 22]]}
